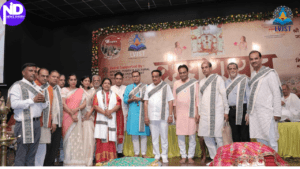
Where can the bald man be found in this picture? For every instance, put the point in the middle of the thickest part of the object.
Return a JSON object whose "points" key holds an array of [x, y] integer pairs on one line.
{"points": [[213, 107], [290, 105]]}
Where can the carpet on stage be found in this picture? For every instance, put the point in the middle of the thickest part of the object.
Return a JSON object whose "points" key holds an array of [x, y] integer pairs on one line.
{"points": [[131, 161]]}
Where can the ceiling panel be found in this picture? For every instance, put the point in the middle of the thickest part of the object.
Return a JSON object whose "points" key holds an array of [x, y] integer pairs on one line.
{"points": [[55, 10]]}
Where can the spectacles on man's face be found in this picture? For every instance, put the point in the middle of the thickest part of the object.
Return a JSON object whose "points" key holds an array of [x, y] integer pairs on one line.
{"points": [[135, 76], [232, 68]]}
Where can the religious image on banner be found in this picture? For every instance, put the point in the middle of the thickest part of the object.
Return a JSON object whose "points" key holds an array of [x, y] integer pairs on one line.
{"points": [[243, 43], [178, 50], [136, 42], [207, 40], [111, 47]]}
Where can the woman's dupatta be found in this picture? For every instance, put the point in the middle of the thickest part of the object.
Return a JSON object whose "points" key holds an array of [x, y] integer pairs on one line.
{"points": [[73, 100]]}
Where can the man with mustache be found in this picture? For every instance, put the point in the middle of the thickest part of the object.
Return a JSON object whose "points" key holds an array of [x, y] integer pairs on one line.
{"points": [[185, 92], [237, 91], [62, 81], [264, 105], [57, 113], [28, 102], [46, 118], [158, 113]]}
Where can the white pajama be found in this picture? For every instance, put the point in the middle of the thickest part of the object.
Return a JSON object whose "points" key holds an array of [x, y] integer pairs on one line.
{"points": [[211, 145], [136, 144], [182, 146], [272, 142], [40, 155], [120, 147], [159, 128]]}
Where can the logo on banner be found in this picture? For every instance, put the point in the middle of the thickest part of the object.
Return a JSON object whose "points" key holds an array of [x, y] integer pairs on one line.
{"points": [[111, 47], [12, 13], [137, 45], [283, 16]]}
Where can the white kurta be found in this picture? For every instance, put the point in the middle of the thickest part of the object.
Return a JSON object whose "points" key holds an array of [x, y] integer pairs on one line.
{"points": [[204, 108], [267, 105], [292, 105], [155, 102]]}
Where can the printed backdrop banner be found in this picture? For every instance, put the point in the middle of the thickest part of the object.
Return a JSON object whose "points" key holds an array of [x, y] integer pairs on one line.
{"points": [[220, 44]]}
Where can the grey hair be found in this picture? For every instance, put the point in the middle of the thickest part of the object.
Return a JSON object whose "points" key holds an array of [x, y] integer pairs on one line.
{"points": [[232, 63], [96, 76], [287, 86]]}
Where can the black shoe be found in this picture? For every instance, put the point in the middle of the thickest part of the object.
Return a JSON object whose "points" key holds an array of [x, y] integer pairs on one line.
{"points": [[120, 155]]}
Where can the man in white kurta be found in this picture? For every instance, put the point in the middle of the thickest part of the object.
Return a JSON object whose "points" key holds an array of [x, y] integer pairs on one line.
{"points": [[290, 105], [158, 113], [96, 81], [213, 108], [119, 89], [264, 105], [42, 81], [28, 103]]}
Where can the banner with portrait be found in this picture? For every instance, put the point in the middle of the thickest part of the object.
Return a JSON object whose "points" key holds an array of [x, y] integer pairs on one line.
{"points": [[220, 44]]}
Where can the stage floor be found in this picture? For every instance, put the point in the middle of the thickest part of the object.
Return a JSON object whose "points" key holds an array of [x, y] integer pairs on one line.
{"points": [[172, 161]]}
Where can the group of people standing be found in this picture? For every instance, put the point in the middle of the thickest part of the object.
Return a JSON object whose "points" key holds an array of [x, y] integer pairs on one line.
{"points": [[100, 115]]}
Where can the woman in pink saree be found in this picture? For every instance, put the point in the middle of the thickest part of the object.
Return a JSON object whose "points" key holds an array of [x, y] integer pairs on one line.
{"points": [[73, 103]]}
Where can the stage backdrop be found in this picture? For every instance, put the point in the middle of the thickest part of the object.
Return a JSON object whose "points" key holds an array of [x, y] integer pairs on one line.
{"points": [[221, 44]]}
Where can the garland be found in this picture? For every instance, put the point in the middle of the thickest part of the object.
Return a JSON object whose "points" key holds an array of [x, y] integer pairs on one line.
{"points": [[260, 16]]}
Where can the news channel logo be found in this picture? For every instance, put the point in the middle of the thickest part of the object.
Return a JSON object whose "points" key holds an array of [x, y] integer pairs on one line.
{"points": [[12, 13]]}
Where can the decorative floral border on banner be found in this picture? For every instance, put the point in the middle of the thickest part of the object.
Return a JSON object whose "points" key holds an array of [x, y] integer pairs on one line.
{"points": [[174, 25]]}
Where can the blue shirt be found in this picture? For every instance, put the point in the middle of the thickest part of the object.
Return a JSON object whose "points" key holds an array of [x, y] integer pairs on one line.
{"points": [[232, 95]]}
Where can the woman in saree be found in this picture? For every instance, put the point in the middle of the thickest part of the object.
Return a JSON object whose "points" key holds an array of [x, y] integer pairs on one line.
{"points": [[88, 122], [109, 127], [73, 103]]}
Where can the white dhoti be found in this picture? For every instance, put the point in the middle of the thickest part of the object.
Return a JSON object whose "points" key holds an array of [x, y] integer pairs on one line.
{"points": [[40, 155], [286, 114], [120, 147], [41, 151]]}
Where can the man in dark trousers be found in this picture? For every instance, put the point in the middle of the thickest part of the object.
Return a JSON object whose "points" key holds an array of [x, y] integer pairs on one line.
{"points": [[28, 101], [237, 91], [57, 112]]}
